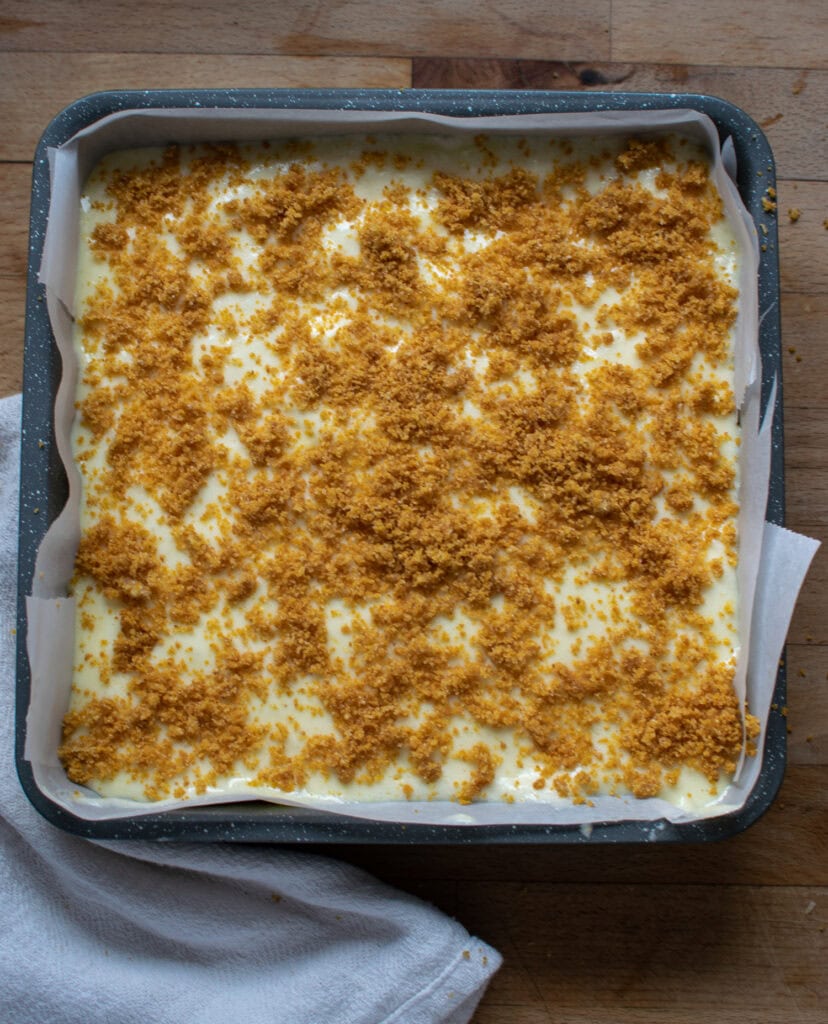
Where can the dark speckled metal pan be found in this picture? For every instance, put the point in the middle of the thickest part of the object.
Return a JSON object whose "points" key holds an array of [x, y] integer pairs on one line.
{"points": [[43, 482]]}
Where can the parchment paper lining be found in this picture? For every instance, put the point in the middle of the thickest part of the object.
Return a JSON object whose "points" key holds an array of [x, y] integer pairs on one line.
{"points": [[772, 561]]}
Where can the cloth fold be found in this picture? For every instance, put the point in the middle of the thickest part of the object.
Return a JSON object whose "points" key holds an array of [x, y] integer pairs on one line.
{"points": [[156, 933]]}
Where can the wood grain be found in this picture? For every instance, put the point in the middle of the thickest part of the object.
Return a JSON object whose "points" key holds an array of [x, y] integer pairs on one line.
{"points": [[803, 245], [808, 702], [809, 625], [731, 33], [712, 953], [805, 369], [514, 28], [790, 105], [12, 309], [15, 187], [806, 455], [36, 86], [644, 934]]}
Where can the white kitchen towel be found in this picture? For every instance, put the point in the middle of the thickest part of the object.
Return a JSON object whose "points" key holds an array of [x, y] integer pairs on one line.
{"points": [[153, 933]]}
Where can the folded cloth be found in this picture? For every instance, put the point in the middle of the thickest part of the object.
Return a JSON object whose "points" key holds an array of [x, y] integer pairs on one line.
{"points": [[156, 932]]}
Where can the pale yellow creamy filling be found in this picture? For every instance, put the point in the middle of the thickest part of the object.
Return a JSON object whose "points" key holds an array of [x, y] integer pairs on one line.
{"points": [[409, 472]]}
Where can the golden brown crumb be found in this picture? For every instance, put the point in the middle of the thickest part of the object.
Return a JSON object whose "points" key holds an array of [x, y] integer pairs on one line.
{"points": [[398, 506], [794, 214], [484, 763]]}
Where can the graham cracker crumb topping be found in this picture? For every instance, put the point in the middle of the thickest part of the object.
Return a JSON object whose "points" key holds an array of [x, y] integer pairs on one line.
{"points": [[407, 493]]}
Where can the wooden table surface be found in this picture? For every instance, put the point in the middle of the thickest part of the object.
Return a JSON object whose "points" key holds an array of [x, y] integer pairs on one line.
{"points": [[734, 931]]}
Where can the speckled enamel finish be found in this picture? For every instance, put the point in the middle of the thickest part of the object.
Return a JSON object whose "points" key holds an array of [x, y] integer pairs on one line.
{"points": [[43, 483]]}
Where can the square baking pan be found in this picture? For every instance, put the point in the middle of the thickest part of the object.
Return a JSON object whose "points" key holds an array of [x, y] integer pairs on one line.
{"points": [[43, 485]]}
